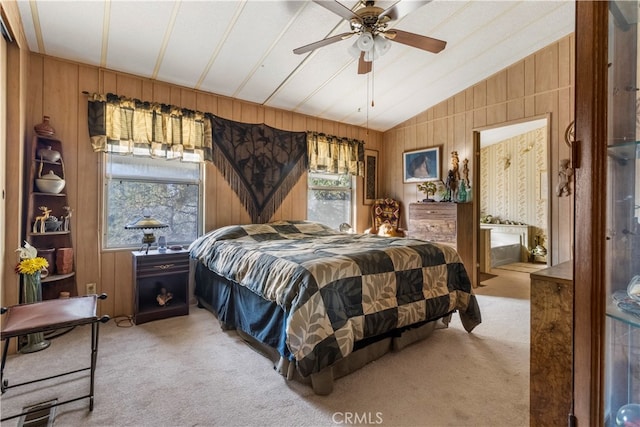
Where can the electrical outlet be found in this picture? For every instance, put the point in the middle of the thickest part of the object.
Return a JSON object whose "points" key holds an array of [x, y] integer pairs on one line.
{"points": [[91, 288]]}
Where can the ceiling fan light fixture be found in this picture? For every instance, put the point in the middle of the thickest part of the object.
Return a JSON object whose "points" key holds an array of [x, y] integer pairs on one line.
{"points": [[365, 42], [354, 50], [371, 55], [381, 44]]}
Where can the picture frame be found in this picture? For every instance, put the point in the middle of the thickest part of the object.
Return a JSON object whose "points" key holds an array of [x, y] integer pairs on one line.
{"points": [[422, 165], [370, 192]]}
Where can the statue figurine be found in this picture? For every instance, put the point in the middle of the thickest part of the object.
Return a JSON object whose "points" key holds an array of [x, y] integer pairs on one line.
{"points": [[455, 162], [66, 218], [465, 170], [38, 225], [564, 175], [164, 297], [451, 185]]}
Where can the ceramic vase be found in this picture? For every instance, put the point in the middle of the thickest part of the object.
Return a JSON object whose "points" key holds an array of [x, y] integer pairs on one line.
{"points": [[50, 256], [64, 260], [44, 128], [47, 153]]}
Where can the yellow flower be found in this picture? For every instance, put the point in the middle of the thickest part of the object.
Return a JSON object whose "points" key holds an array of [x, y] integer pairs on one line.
{"points": [[32, 265]]}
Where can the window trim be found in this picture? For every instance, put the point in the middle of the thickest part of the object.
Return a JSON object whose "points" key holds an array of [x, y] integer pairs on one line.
{"points": [[352, 189], [104, 181]]}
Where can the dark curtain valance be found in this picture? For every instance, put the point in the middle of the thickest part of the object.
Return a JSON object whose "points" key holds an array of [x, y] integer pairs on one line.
{"points": [[262, 164], [333, 154], [130, 126]]}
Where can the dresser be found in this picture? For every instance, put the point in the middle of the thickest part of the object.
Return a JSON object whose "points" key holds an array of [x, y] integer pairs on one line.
{"points": [[551, 345], [444, 222]]}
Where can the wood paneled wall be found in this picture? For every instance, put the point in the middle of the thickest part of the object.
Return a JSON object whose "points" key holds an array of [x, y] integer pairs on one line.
{"points": [[55, 88], [541, 84], [538, 85]]}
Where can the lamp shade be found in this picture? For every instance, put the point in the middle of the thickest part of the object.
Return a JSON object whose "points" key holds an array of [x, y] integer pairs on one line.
{"points": [[146, 222], [381, 44], [365, 41], [354, 50]]}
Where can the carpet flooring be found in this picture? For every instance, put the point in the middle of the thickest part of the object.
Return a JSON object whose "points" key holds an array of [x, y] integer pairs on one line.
{"points": [[187, 371]]}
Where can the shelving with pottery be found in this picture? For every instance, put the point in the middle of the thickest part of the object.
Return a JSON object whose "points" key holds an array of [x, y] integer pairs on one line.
{"points": [[48, 214]]}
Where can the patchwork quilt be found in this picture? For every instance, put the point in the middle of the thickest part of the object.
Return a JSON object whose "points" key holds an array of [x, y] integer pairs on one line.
{"points": [[338, 288]]}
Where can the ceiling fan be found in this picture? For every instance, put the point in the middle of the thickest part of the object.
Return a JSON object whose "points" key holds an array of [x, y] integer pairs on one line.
{"points": [[370, 24]]}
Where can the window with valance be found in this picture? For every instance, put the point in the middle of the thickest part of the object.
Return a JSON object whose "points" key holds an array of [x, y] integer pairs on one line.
{"points": [[260, 163], [331, 154]]}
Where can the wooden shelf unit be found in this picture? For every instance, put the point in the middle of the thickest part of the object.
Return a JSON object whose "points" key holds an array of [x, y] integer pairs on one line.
{"points": [[54, 283]]}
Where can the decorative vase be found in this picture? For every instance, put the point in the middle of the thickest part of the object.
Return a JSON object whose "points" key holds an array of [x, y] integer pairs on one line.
{"points": [[44, 128], [47, 153], [50, 256], [64, 260], [50, 183], [462, 193], [32, 292]]}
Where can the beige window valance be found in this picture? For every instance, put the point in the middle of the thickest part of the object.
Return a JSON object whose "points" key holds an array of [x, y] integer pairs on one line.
{"points": [[129, 126], [332, 154]]}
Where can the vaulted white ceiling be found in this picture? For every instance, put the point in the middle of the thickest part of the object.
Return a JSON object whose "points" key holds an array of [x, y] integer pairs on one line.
{"points": [[243, 49]]}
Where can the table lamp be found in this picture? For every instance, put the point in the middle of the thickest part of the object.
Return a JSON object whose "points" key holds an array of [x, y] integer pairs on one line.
{"points": [[147, 224]]}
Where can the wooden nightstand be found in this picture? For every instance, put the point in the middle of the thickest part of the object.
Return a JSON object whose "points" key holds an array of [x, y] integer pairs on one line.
{"points": [[157, 272]]}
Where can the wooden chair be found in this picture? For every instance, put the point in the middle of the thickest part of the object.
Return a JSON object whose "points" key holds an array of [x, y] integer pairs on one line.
{"points": [[386, 218]]}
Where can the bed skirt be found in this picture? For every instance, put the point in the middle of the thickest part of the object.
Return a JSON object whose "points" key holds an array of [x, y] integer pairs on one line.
{"points": [[262, 324]]}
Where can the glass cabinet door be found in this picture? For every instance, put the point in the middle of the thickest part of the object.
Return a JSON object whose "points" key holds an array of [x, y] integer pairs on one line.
{"points": [[622, 327]]}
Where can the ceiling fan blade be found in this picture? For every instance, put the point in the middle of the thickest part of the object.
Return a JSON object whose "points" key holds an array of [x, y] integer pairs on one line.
{"points": [[338, 8], [402, 8], [363, 66], [320, 43], [416, 40]]}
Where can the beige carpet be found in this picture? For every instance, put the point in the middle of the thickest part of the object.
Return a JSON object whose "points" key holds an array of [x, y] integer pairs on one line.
{"points": [[185, 371]]}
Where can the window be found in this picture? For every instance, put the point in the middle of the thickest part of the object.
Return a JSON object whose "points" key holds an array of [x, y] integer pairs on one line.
{"points": [[169, 191], [329, 198]]}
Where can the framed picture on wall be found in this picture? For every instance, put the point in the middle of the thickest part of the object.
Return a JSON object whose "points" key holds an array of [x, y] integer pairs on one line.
{"points": [[421, 165], [370, 176]]}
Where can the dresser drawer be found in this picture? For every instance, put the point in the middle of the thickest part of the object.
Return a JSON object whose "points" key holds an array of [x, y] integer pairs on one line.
{"points": [[162, 264], [429, 211], [437, 230]]}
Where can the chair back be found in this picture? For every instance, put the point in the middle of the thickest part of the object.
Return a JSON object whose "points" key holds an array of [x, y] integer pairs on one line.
{"points": [[386, 211]]}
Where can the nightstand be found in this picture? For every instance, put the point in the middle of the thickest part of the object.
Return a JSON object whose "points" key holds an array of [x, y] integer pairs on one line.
{"points": [[156, 275]]}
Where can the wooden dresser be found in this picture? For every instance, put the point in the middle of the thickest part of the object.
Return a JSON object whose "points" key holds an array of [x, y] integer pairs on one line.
{"points": [[551, 347], [442, 222]]}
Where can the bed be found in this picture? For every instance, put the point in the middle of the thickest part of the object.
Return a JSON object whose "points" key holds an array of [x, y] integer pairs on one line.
{"points": [[322, 303]]}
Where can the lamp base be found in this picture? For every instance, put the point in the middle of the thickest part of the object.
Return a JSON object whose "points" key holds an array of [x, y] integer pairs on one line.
{"points": [[147, 240]]}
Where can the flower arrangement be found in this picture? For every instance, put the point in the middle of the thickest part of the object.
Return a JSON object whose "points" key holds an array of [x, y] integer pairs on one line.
{"points": [[30, 262]]}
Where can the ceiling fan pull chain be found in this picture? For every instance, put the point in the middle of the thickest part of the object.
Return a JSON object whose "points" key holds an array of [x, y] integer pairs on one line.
{"points": [[372, 81]]}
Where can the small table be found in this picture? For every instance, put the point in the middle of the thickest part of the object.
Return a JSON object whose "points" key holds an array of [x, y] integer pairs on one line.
{"points": [[49, 315]]}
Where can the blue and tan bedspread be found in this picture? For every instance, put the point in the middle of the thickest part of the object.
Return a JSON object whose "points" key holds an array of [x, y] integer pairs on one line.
{"points": [[339, 288]]}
